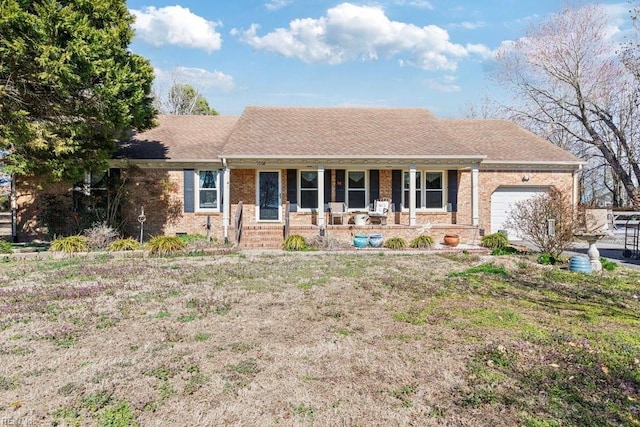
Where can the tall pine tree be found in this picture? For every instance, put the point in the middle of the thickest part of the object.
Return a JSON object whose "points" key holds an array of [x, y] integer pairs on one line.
{"points": [[69, 87]]}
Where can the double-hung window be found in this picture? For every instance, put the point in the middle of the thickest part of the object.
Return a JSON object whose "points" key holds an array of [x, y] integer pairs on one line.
{"points": [[207, 193], [356, 190], [433, 190], [429, 190], [308, 189]]}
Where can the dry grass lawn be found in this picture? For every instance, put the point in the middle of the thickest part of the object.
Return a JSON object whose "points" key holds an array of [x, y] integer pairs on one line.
{"points": [[317, 339]]}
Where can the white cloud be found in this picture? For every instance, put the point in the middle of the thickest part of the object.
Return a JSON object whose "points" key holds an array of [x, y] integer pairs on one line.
{"points": [[176, 25], [422, 4], [277, 4], [447, 84], [197, 77], [349, 32], [466, 25], [480, 49]]}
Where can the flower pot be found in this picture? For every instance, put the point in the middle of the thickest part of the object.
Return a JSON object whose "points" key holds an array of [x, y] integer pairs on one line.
{"points": [[451, 240], [360, 240], [580, 264], [375, 240]]}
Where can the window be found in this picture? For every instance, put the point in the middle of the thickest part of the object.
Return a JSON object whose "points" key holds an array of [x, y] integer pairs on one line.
{"points": [[429, 190], [418, 189], [207, 190], [308, 189], [356, 190], [433, 190]]}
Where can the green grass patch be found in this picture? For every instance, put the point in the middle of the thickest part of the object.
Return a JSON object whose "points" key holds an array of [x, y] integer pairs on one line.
{"points": [[491, 318], [202, 336], [486, 268], [119, 415]]}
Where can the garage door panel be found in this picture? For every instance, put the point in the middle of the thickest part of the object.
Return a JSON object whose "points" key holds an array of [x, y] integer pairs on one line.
{"points": [[504, 199]]}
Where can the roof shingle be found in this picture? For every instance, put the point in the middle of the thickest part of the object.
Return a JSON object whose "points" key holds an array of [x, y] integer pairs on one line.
{"points": [[505, 141], [319, 132], [346, 132], [179, 138]]}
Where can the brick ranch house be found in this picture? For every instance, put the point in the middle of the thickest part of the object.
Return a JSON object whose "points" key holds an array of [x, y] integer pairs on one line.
{"points": [[454, 175]]}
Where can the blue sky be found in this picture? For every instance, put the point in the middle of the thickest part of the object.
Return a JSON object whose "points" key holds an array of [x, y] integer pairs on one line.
{"points": [[430, 54]]}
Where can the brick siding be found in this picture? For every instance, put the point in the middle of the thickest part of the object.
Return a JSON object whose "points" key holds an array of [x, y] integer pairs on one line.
{"points": [[160, 191]]}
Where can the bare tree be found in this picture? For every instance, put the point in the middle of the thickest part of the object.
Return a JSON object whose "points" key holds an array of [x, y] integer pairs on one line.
{"points": [[570, 86], [184, 99], [181, 99], [531, 218], [485, 108]]}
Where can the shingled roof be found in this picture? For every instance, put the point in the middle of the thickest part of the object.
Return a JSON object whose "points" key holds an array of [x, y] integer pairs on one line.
{"points": [[506, 142], [305, 132], [179, 138], [356, 133]]}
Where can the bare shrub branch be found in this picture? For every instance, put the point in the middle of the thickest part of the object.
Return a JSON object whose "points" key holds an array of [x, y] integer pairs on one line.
{"points": [[530, 217]]}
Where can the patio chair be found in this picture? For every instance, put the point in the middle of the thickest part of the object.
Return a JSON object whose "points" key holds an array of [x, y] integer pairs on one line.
{"points": [[380, 211], [337, 210]]}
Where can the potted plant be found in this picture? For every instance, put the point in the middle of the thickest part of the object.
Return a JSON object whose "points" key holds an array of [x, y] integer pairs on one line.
{"points": [[375, 240], [451, 239], [360, 240]]}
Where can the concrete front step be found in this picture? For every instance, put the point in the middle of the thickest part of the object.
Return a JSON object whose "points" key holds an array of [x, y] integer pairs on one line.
{"points": [[5, 223]]}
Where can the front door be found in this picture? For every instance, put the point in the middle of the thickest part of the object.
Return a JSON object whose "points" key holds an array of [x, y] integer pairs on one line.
{"points": [[268, 196]]}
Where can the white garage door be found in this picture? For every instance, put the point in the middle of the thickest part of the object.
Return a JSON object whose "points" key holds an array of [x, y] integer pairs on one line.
{"points": [[504, 199]]}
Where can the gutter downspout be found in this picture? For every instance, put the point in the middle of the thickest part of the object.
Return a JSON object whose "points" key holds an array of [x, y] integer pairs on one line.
{"points": [[226, 199]]}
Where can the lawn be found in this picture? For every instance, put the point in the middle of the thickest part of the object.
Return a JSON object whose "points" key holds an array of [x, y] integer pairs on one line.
{"points": [[317, 339]]}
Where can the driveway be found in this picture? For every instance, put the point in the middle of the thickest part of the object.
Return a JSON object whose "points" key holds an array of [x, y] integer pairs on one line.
{"points": [[611, 248]]}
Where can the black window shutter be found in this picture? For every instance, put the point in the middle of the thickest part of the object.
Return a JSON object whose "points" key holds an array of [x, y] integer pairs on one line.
{"points": [[374, 185], [292, 189], [396, 188], [327, 189], [452, 191], [340, 185], [189, 190]]}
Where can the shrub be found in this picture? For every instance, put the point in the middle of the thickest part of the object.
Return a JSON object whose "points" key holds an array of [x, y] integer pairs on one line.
{"points": [[100, 235], [608, 264], [546, 259], [70, 244], [165, 245], [423, 241], [325, 243], [495, 241], [5, 247], [395, 243], [530, 217], [294, 242], [127, 244], [507, 250]]}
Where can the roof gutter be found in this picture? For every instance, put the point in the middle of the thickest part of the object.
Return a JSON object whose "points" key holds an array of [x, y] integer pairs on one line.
{"points": [[358, 157], [534, 162]]}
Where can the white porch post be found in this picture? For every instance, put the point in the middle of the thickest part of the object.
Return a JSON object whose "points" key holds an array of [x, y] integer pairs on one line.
{"points": [[475, 195], [226, 201], [321, 222], [412, 195]]}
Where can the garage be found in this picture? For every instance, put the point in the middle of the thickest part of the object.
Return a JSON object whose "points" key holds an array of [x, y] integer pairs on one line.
{"points": [[504, 199]]}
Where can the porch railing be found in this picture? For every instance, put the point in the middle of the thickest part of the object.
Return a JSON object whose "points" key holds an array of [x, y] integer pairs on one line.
{"points": [[238, 224]]}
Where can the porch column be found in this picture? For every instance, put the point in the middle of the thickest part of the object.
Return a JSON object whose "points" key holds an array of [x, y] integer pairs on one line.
{"points": [[475, 195], [412, 195], [226, 202], [321, 222]]}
